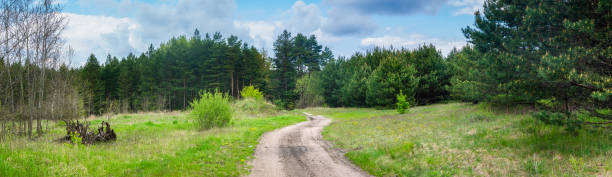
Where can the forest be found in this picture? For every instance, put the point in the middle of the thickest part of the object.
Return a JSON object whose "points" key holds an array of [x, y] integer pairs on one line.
{"points": [[553, 58]]}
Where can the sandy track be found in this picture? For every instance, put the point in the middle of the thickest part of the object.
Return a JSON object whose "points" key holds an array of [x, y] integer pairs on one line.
{"points": [[299, 150]]}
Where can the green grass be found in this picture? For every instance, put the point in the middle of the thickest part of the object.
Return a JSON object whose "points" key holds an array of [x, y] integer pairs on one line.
{"points": [[465, 140], [155, 144]]}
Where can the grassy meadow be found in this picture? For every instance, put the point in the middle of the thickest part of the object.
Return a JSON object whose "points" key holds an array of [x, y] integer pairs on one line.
{"points": [[148, 144], [459, 139], [454, 139]]}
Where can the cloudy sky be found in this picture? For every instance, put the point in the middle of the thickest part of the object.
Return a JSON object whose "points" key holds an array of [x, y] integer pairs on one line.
{"points": [[118, 27]]}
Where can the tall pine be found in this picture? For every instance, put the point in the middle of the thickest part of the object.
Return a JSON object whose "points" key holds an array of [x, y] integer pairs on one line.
{"points": [[284, 75]]}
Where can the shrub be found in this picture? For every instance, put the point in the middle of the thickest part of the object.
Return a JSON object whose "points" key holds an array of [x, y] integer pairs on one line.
{"points": [[309, 92], [253, 108], [402, 104], [251, 92], [75, 138], [287, 105], [252, 103], [211, 110], [572, 123]]}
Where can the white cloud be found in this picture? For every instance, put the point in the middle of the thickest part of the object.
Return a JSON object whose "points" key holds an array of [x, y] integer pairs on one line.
{"points": [[467, 7], [262, 32], [100, 35], [301, 18], [141, 24], [304, 18], [325, 37], [412, 41], [136, 24]]}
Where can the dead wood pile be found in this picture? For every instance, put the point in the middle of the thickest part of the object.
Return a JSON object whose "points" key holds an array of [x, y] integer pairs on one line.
{"points": [[104, 134]]}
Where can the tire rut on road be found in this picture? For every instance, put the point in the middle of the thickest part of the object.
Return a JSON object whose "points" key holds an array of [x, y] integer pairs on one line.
{"points": [[299, 150]]}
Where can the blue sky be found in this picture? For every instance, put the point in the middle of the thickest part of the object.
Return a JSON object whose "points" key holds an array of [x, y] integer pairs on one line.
{"points": [[118, 27]]}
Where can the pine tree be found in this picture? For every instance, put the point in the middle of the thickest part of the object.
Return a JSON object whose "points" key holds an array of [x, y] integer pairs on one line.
{"points": [[388, 79], [433, 74], [285, 70], [547, 51], [93, 87]]}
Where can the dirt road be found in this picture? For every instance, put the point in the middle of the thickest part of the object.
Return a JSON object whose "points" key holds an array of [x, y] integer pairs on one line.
{"points": [[299, 150]]}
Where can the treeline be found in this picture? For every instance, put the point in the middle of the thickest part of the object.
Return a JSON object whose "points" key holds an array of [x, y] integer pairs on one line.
{"points": [[35, 84], [552, 55], [374, 78], [169, 77]]}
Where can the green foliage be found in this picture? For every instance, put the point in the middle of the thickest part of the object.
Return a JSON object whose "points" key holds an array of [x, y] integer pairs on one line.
{"points": [[169, 76], [248, 105], [280, 104], [294, 57], [251, 92], [211, 110], [75, 138], [1, 108], [388, 79], [92, 87], [285, 74], [433, 74], [422, 74], [466, 81], [401, 104], [554, 53], [554, 118], [548, 103], [253, 108], [572, 123], [330, 80], [308, 91]]}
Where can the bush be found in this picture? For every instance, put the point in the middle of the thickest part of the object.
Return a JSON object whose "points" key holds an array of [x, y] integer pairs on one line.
{"points": [[280, 104], [402, 104], [250, 107], [251, 92], [309, 92], [572, 123], [211, 110]]}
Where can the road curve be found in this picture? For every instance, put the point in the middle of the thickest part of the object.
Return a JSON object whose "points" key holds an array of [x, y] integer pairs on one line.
{"points": [[299, 150]]}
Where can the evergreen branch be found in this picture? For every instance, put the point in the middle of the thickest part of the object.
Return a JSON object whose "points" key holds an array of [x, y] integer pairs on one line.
{"points": [[585, 86], [598, 123]]}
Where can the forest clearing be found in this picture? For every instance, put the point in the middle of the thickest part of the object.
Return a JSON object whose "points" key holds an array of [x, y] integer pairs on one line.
{"points": [[305, 88], [452, 139]]}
